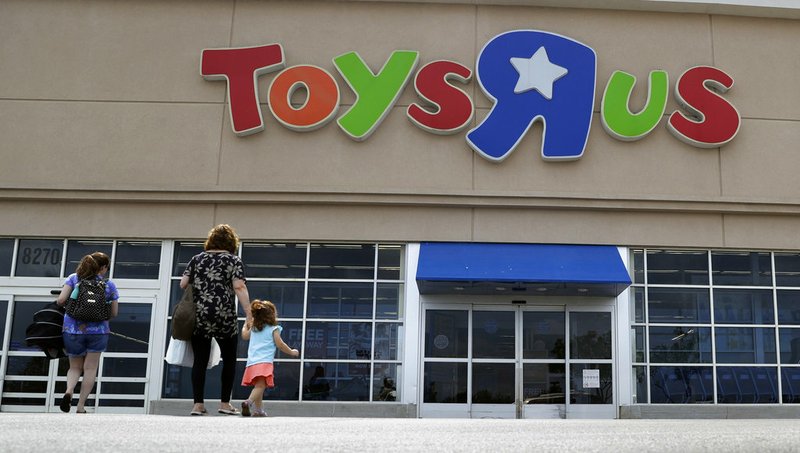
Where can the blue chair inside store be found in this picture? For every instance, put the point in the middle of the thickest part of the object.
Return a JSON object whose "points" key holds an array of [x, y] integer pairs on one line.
{"points": [[746, 384], [791, 385], [728, 390], [698, 384], [765, 382], [674, 385]]}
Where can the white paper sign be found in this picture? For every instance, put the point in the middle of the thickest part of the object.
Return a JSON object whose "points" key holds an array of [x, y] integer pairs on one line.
{"points": [[591, 379]]}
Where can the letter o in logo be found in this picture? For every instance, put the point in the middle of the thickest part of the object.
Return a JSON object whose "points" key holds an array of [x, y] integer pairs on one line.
{"points": [[322, 97]]}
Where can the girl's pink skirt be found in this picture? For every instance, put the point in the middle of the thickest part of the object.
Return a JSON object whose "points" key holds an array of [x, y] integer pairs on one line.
{"points": [[263, 370]]}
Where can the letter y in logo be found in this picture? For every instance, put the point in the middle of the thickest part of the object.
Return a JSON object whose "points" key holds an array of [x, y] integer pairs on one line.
{"points": [[535, 76]]}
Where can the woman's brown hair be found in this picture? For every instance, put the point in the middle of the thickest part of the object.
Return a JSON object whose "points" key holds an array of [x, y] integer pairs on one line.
{"points": [[101, 258], [264, 313], [222, 237], [87, 268]]}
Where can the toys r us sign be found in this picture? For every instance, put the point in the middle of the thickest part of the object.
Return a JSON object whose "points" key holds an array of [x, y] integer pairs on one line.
{"points": [[529, 75]]}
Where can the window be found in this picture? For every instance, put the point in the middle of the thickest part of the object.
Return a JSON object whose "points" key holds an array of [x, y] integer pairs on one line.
{"points": [[6, 253], [76, 250], [39, 258], [709, 319], [139, 260], [341, 305]]}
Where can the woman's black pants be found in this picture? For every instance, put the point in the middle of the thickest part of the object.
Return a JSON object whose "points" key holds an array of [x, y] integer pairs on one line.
{"points": [[202, 349]]}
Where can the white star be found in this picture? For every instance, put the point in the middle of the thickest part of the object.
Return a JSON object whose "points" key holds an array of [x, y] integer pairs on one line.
{"points": [[537, 73]]}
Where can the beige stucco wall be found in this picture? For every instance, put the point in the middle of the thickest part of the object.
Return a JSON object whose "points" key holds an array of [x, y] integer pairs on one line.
{"points": [[115, 86]]}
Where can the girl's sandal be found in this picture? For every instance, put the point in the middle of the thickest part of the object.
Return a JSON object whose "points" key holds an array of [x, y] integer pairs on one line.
{"points": [[246, 408]]}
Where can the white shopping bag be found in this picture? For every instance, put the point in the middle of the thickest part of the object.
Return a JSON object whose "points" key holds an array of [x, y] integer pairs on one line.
{"points": [[180, 353]]}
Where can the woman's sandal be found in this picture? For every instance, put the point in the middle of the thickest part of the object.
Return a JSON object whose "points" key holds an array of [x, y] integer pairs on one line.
{"points": [[66, 402], [202, 412], [231, 411]]}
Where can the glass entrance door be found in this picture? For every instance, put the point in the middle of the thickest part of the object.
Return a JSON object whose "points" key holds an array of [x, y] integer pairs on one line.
{"points": [[502, 361]]}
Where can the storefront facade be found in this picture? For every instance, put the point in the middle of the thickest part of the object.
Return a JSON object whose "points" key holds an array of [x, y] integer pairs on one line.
{"points": [[445, 231]]}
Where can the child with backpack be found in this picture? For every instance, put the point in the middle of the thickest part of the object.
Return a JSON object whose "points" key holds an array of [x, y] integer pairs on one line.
{"points": [[85, 340], [264, 334]]}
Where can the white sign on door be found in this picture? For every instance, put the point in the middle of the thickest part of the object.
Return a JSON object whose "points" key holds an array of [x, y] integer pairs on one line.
{"points": [[591, 379]]}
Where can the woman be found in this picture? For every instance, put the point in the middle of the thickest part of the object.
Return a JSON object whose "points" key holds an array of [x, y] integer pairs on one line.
{"points": [[216, 275], [84, 341]]}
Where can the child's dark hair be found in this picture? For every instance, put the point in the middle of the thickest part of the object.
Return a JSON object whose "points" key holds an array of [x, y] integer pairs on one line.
{"points": [[264, 313]]}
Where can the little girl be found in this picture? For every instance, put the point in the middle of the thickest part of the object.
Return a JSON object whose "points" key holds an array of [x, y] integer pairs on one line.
{"points": [[264, 334]]}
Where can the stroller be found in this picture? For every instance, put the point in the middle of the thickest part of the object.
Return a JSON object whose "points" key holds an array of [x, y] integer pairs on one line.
{"points": [[45, 331]]}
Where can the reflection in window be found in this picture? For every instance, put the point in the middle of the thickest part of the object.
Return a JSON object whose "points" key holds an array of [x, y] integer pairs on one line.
{"points": [[543, 383], [124, 367], [741, 268], [745, 345], [790, 345], [39, 258], [446, 333], [6, 254], [493, 383], [330, 381], [445, 383], [386, 341], [677, 267], [279, 260], [789, 307], [345, 261], [184, 251], [590, 335], [339, 300], [790, 380], [681, 344], [593, 392], [386, 383], [338, 340], [493, 335], [787, 269], [678, 305], [543, 335], [287, 296], [681, 384], [743, 306], [389, 301], [141, 260], [133, 321], [76, 250], [747, 385], [23, 315], [389, 262]]}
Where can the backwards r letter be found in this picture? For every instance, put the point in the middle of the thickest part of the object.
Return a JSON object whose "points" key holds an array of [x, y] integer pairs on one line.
{"points": [[533, 75]]}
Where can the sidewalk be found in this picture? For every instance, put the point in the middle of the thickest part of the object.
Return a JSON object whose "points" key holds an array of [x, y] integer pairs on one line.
{"points": [[145, 433]]}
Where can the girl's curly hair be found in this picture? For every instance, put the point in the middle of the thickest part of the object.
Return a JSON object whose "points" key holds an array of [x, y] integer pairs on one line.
{"points": [[222, 237], [264, 313]]}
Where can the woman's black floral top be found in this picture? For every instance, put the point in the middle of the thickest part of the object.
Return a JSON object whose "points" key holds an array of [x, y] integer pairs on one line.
{"points": [[211, 276]]}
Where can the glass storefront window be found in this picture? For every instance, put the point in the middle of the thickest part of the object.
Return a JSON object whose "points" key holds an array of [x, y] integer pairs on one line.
{"points": [[137, 259], [124, 367], [23, 315], [342, 261], [184, 251], [787, 269], [279, 260], [6, 254], [446, 333], [3, 314], [77, 249], [543, 335], [493, 383], [639, 344], [340, 300], [638, 304], [543, 383], [789, 340], [287, 296], [389, 301], [590, 335], [581, 395], [445, 383], [387, 341], [386, 382], [493, 335], [745, 344], [332, 381], [743, 306], [681, 384], [678, 305], [389, 262], [39, 258], [790, 380], [338, 340], [638, 267], [789, 307], [747, 385], [133, 321], [680, 344], [677, 267], [741, 268]]}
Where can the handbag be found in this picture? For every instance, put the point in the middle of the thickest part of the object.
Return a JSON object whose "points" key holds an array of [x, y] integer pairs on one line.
{"points": [[89, 304], [180, 353], [183, 317]]}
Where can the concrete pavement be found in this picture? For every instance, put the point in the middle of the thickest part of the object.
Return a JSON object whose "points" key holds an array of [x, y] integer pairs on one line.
{"points": [[145, 433]]}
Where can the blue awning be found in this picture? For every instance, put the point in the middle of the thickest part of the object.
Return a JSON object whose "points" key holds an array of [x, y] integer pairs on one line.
{"points": [[532, 269]]}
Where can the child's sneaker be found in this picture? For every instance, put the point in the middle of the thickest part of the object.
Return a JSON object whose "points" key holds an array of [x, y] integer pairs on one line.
{"points": [[246, 408]]}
